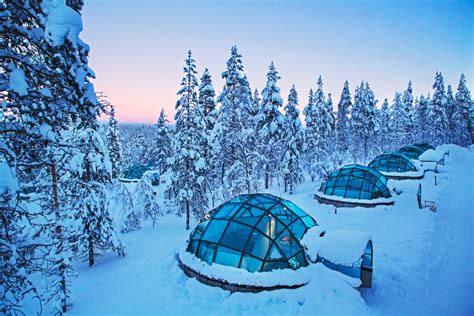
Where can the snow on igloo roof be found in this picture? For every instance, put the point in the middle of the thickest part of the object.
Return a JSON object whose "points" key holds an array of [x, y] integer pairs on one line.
{"points": [[392, 162], [356, 182], [256, 232]]}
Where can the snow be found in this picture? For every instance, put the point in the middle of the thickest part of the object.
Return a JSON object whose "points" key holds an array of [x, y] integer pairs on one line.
{"points": [[348, 200], [407, 174], [17, 82], [422, 260], [338, 246], [62, 23], [432, 155], [8, 182]]}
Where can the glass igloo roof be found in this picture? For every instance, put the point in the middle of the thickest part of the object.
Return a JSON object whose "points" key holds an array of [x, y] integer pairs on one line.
{"points": [[392, 162], [256, 232], [356, 182], [412, 152], [424, 146]]}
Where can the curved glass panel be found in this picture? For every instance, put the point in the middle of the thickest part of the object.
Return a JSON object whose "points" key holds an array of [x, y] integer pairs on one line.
{"points": [[392, 162], [356, 182], [256, 232], [424, 146], [412, 152]]}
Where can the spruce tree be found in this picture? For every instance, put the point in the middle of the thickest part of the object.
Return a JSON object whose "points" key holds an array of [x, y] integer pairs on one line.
{"points": [[464, 115], [270, 125], [293, 144], [343, 121], [437, 118], [311, 133], [114, 145], [364, 122], [450, 110], [407, 101], [384, 130], [188, 164], [207, 100], [162, 142], [398, 122]]}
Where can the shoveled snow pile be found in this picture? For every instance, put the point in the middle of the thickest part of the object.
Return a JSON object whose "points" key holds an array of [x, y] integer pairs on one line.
{"points": [[62, 23]]}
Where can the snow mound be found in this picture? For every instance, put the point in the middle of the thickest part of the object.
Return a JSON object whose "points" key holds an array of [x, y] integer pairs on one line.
{"points": [[348, 200], [62, 23], [338, 246], [432, 155], [8, 182]]}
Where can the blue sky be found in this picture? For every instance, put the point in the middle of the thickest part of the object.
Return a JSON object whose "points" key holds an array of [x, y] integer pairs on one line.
{"points": [[138, 47]]}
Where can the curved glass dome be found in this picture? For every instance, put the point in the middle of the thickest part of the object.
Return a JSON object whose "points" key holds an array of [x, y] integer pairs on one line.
{"points": [[356, 182], [424, 146], [392, 162], [256, 232], [412, 152]]}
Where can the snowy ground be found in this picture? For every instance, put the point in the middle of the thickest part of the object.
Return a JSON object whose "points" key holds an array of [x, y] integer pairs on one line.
{"points": [[423, 261]]}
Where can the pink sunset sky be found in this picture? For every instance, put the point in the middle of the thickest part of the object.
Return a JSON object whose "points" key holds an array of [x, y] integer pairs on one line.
{"points": [[138, 47]]}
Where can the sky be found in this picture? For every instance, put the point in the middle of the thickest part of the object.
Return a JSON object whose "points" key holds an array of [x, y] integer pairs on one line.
{"points": [[138, 47]]}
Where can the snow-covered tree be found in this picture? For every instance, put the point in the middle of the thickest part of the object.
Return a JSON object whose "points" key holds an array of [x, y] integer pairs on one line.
{"points": [[207, 100], [255, 103], [398, 122], [311, 133], [464, 115], [364, 122], [407, 101], [343, 120], [450, 110], [162, 142], [384, 129], [188, 164], [293, 144], [146, 200], [437, 119], [270, 125], [422, 109], [113, 144]]}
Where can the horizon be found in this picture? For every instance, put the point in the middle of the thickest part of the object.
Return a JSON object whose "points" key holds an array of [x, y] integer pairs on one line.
{"points": [[141, 83]]}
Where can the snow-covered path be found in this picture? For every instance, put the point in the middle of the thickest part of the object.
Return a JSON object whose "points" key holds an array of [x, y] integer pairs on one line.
{"points": [[422, 262], [450, 289]]}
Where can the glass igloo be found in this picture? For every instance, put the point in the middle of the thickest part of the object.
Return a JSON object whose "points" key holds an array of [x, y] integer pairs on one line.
{"points": [[392, 162], [256, 232], [412, 152], [424, 146], [356, 182]]}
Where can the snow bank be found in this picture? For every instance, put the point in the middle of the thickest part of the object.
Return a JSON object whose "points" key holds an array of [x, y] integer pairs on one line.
{"points": [[17, 82], [62, 23], [347, 200]]}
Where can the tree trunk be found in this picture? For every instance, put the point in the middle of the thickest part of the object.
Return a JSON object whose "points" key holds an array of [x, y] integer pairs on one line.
{"points": [[291, 186]]}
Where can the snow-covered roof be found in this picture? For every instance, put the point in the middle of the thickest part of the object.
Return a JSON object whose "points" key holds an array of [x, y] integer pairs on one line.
{"points": [[356, 201], [341, 247], [432, 155]]}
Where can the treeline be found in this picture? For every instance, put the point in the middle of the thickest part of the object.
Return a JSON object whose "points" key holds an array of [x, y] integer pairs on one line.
{"points": [[240, 142]]}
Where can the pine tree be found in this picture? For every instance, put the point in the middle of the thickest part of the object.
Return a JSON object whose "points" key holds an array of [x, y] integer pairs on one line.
{"points": [[342, 119], [113, 144], [270, 125], [162, 142], [188, 164], [311, 133], [464, 115], [407, 101], [364, 121], [146, 200], [437, 119], [294, 144], [255, 103]]}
